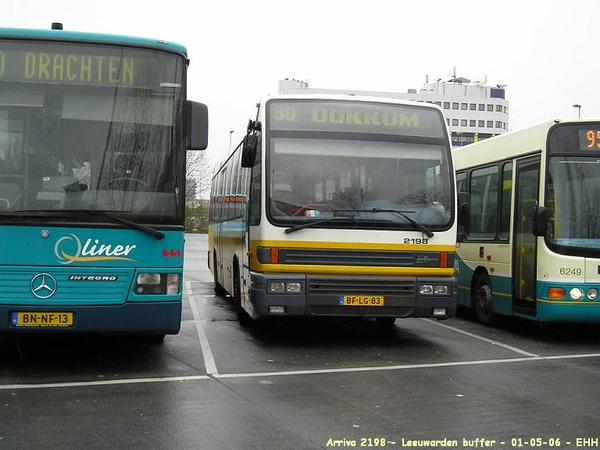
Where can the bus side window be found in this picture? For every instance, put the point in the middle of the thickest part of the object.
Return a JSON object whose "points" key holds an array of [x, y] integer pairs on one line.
{"points": [[506, 200], [461, 182], [483, 217], [254, 204]]}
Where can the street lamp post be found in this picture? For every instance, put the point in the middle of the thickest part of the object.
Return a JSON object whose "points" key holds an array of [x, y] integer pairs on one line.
{"points": [[578, 107]]}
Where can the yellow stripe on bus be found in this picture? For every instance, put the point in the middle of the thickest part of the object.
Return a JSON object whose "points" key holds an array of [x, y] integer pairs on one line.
{"points": [[354, 246], [352, 269]]}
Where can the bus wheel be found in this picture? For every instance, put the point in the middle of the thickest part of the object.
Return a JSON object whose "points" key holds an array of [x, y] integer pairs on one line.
{"points": [[243, 317], [482, 301], [237, 287], [153, 338], [385, 322], [219, 290]]}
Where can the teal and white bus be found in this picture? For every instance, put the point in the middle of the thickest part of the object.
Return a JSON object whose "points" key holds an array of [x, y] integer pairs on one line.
{"points": [[529, 244], [93, 137], [337, 206]]}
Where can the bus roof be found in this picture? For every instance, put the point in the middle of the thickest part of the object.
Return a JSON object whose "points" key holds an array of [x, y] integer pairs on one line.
{"points": [[348, 97], [84, 37], [514, 143]]}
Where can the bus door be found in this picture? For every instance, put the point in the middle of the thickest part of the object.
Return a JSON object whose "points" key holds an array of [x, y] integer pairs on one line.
{"points": [[524, 273], [219, 228]]}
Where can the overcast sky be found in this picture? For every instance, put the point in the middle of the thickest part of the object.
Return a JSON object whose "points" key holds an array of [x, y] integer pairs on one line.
{"points": [[545, 51]]}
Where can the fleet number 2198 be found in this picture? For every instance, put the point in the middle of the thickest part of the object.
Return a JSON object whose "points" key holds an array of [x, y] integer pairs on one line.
{"points": [[416, 241]]}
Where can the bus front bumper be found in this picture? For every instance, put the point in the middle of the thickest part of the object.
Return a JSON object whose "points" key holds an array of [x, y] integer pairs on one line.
{"points": [[147, 318], [332, 295]]}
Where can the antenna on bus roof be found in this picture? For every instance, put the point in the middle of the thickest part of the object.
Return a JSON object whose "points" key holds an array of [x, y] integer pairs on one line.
{"points": [[57, 26]]}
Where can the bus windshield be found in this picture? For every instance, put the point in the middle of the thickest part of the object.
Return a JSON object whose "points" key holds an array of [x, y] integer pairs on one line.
{"points": [[90, 127], [361, 167], [573, 189], [574, 195]]}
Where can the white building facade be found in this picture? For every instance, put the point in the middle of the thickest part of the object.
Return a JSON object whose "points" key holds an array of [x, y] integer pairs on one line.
{"points": [[473, 110]]}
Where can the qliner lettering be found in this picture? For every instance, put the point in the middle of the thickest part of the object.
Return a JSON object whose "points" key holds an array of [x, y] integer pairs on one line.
{"points": [[367, 118], [97, 249], [71, 68], [91, 250]]}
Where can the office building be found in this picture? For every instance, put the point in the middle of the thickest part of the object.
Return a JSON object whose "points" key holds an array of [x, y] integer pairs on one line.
{"points": [[473, 110]]}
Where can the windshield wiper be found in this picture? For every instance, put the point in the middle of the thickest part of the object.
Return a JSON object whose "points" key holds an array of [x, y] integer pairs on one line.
{"points": [[69, 212], [315, 223], [137, 226], [412, 221]]}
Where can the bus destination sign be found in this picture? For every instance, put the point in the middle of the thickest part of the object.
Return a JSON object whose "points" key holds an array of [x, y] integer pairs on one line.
{"points": [[66, 68], [589, 138], [346, 116], [574, 138], [83, 64]]}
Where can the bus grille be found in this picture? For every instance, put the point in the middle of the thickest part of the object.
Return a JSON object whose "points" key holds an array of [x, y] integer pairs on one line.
{"points": [[74, 286], [323, 294], [324, 285], [377, 258]]}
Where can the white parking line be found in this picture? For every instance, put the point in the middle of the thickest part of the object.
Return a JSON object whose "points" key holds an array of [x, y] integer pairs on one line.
{"points": [[295, 372], [375, 368], [212, 373], [209, 359], [481, 338], [10, 387]]}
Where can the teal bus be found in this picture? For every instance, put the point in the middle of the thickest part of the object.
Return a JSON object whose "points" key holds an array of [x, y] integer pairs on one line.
{"points": [[94, 131], [529, 241]]}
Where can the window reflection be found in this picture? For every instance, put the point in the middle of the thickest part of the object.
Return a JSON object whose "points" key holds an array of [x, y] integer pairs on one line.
{"points": [[311, 178]]}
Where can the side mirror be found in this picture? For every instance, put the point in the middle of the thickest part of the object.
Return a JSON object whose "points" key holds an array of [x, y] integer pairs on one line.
{"points": [[249, 150], [464, 201], [540, 220], [197, 126]]}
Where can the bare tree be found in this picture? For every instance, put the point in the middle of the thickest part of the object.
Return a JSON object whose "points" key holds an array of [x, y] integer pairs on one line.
{"points": [[198, 175]]}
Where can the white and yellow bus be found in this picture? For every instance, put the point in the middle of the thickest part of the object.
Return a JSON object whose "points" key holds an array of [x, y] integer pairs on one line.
{"points": [[337, 206], [529, 244]]}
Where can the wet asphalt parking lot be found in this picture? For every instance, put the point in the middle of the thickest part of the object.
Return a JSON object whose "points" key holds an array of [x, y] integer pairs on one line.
{"points": [[301, 384]]}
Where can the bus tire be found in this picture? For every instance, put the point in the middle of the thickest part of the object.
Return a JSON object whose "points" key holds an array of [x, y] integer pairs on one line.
{"points": [[153, 338], [482, 300], [385, 322], [243, 317], [219, 289], [237, 285]]}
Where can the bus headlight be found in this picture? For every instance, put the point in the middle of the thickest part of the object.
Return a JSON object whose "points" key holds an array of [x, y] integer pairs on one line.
{"points": [[172, 283], [426, 289], [277, 287], [592, 294], [293, 287], [440, 289], [576, 293], [434, 289], [158, 283], [148, 278]]}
